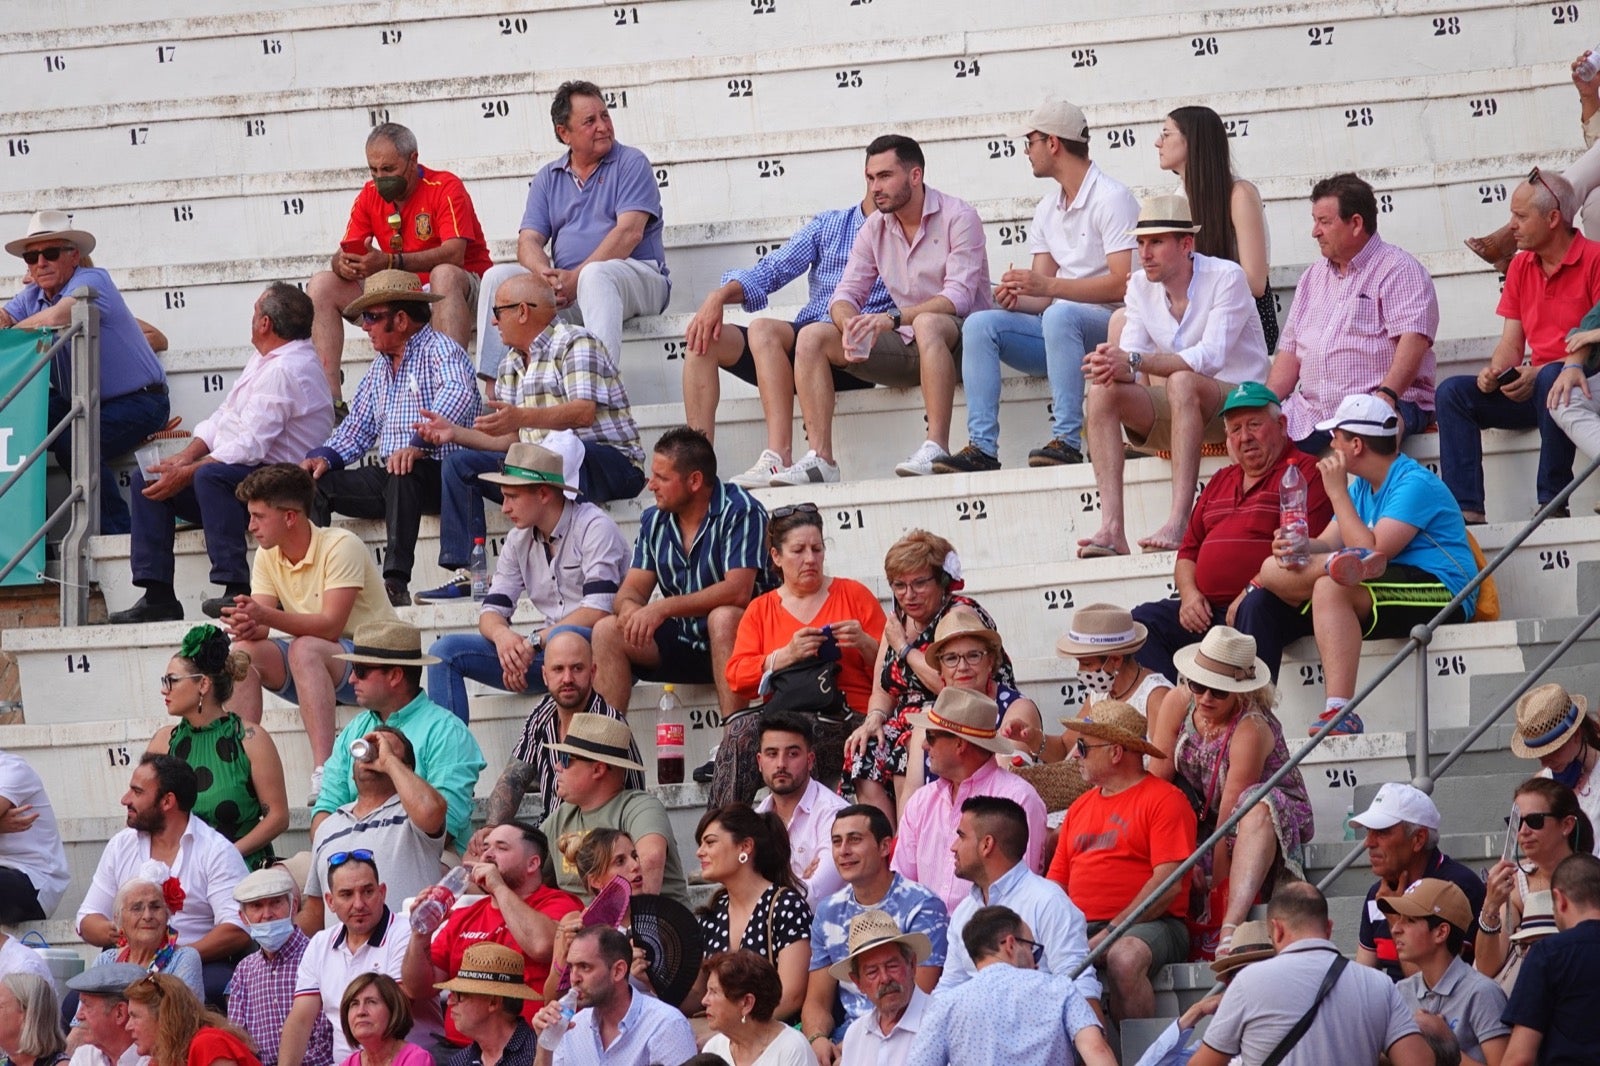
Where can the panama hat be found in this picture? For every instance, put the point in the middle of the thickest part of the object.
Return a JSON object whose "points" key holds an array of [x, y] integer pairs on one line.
{"points": [[874, 928], [1101, 629], [490, 970], [599, 739], [390, 287], [1167, 213], [48, 225], [1547, 716], [959, 623], [1117, 722], [1252, 942], [968, 715], [388, 644], [527, 465], [1225, 659]]}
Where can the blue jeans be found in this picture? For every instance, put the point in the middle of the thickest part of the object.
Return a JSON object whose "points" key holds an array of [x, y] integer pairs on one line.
{"points": [[606, 474], [1413, 418], [1273, 624], [464, 655], [1049, 345], [209, 500], [125, 422], [1464, 412]]}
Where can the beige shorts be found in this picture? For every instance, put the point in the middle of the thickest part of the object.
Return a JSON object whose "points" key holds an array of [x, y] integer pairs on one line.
{"points": [[896, 363], [1159, 439]]}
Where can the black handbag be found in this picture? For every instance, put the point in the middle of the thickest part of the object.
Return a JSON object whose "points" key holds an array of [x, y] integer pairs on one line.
{"points": [[807, 687]]}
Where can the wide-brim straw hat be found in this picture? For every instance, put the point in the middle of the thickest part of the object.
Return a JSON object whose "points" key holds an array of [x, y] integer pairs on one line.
{"points": [[599, 739], [873, 928], [1116, 722], [958, 623], [1101, 629], [527, 465], [1547, 716], [490, 970], [969, 715], [52, 225], [390, 287], [388, 644], [1224, 659], [1252, 942]]}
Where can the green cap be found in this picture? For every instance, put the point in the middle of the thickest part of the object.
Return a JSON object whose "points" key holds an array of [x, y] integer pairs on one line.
{"points": [[1250, 394]]}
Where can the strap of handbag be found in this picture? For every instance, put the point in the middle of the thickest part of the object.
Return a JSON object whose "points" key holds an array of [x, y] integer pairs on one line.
{"points": [[1300, 1028]]}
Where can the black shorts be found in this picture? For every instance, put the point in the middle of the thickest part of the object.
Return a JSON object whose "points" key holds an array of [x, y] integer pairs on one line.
{"points": [[681, 662], [19, 900], [745, 368], [1405, 597]]}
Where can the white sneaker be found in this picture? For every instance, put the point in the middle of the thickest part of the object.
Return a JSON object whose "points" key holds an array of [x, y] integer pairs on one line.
{"points": [[812, 469], [921, 462], [759, 476], [316, 786]]}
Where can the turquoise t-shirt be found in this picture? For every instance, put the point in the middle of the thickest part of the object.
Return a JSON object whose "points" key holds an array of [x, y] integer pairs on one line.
{"points": [[1412, 495]]}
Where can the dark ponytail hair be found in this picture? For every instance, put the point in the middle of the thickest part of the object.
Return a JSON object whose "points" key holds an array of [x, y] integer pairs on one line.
{"points": [[770, 854], [1208, 180]]}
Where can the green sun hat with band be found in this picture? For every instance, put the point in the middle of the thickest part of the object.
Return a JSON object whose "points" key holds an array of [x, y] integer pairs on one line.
{"points": [[1250, 394], [529, 464]]}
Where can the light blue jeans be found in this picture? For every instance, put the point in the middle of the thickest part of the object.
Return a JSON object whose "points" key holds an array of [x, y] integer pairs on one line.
{"points": [[1049, 345]]}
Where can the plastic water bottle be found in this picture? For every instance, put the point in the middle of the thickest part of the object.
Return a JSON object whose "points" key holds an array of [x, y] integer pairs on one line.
{"points": [[550, 1039], [1292, 516], [1590, 65], [428, 913], [669, 739], [478, 565]]}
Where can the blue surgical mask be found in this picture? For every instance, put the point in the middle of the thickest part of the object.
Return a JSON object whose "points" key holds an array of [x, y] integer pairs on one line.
{"points": [[1568, 775], [271, 935]]}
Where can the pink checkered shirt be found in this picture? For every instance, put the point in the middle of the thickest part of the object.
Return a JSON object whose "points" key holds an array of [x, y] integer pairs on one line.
{"points": [[1345, 328]]}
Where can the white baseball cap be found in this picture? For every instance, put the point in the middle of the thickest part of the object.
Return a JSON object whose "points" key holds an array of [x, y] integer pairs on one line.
{"points": [[1364, 415], [1396, 803]]}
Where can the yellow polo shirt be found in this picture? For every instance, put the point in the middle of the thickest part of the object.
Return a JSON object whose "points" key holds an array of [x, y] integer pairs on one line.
{"points": [[336, 560]]}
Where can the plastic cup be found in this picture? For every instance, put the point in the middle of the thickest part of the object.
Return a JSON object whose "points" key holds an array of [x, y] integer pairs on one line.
{"points": [[147, 457]]}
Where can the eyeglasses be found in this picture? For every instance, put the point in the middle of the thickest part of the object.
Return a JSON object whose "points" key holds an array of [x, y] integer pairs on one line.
{"points": [[793, 508], [339, 858], [1030, 140], [51, 254], [500, 309], [1082, 747], [1533, 819], [954, 659], [396, 240], [168, 680], [901, 588], [372, 318], [1033, 946], [1200, 690]]}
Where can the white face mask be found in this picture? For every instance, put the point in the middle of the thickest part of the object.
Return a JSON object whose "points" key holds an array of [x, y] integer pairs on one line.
{"points": [[1098, 682], [271, 935]]}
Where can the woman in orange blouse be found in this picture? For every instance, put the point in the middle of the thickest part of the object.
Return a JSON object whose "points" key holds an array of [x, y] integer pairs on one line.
{"points": [[786, 626]]}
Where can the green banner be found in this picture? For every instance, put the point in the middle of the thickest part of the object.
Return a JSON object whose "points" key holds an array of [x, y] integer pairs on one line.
{"points": [[23, 425]]}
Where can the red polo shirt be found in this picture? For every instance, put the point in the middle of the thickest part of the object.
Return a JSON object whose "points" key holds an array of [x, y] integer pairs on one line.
{"points": [[482, 921], [1550, 307], [438, 210]]}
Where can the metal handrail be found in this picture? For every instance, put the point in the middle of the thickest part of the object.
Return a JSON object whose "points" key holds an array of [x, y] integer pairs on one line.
{"points": [[83, 421], [1418, 640]]}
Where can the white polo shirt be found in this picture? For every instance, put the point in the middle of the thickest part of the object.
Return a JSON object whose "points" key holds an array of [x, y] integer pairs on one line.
{"points": [[866, 1044], [328, 965], [1080, 235], [1219, 334], [811, 837], [207, 866]]}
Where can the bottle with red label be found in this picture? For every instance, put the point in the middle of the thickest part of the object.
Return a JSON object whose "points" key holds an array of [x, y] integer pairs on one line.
{"points": [[669, 739]]}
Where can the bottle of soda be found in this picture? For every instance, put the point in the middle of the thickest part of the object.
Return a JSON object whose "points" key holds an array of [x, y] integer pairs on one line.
{"points": [[1292, 516], [478, 566], [669, 739], [427, 914], [550, 1039]]}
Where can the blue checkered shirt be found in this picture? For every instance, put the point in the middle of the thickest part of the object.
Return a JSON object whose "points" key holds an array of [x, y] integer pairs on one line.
{"points": [[434, 373], [565, 363], [819, 249]]}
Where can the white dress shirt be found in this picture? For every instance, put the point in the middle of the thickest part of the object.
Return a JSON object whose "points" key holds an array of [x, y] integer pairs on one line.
{"points": [[811, 837], [866, 1044], [276, 412], [1220, 332], [207, 865]]}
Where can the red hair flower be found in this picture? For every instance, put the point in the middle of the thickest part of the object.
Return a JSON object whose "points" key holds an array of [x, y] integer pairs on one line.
{"points": [[172, 893]]}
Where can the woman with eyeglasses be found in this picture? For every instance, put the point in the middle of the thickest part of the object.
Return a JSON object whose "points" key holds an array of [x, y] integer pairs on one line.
{"points": [[242, 792], [172, 1026], [140, 914], [811, 615], [1226, 741], [30, 1022], [1549, 826], [924, 575]]}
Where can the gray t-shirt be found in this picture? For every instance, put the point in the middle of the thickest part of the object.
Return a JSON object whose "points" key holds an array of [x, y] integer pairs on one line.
{"points": [[638, 814], [406, 856], [1469, 1002], [1362, 1016]]}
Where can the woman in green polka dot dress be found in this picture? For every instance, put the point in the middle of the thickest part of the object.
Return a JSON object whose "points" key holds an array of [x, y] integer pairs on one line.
{"points": [[242, 794]]}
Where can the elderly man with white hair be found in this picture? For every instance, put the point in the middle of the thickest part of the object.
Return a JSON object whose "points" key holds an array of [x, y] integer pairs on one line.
{"points": [[263, 983]]}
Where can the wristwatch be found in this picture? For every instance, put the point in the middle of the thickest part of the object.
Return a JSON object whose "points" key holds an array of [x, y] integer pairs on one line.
{"points": [[1134, 361], [894, 318]]}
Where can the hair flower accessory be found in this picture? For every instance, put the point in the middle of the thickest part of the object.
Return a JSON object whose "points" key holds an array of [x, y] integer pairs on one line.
{"points": [[952, 568]]}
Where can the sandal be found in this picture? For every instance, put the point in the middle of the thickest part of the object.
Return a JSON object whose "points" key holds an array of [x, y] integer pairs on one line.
{"points": [[1225, 939], [1496, 248]]}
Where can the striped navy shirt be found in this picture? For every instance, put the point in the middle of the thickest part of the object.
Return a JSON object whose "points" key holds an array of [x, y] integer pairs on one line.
{"points": [[733, 536]]}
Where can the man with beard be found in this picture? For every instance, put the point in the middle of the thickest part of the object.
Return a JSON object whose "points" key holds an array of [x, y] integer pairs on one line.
{"points": [[568, 670], [520, 910], [807, 808], [204, 865], [369, 938], [615, 1025]]}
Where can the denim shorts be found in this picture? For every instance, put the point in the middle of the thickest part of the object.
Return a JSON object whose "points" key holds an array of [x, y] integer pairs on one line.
{"points": [[342, 694]]}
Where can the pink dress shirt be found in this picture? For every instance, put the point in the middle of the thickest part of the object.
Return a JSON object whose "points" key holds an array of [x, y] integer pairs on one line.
{"points": [[276, 412], [929, 822], [1345, 327], [947, 258]]}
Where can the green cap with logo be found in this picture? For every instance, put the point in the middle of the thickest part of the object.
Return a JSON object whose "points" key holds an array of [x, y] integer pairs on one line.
{"points": [[1250, 394]]}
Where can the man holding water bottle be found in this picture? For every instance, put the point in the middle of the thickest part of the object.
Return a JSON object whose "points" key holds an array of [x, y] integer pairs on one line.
{"points": [[614, 1024]]}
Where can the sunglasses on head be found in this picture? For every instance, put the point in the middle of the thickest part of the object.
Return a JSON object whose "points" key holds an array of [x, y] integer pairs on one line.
{"points": [[1533, 819], [339, 858], [793, 508], [1200, 690], [51, 254]]}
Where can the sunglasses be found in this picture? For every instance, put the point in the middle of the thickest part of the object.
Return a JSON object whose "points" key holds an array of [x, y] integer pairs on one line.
{"points": [[1082, 747], [954, 659], [501, 309], [1533, 819], [363, 669], [396, 241], [1200, 690], [937, 734], [565, 759], [793, 508], [1536, 178], [1033, 946], [53, 253], [339, 858], [168, 680], [372, 318]]}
